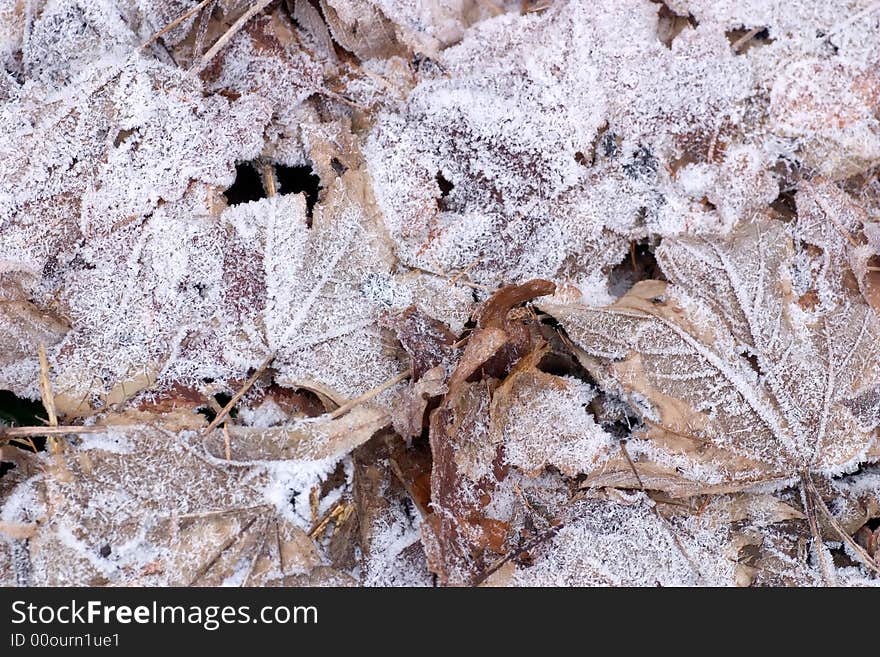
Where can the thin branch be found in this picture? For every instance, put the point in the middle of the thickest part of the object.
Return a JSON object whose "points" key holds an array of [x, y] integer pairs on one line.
{"points": [[367, 396], [46, 394], [177, 21], [818, 544], [238, 395], [48, 399], [23, 432], [745, 38], [513, 554], [864, 557], [227, 36]]}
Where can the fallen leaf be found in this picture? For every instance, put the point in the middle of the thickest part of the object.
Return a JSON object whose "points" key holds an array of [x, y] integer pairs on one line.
{"points": [[305, 439], [543, 420], [737, 386]]}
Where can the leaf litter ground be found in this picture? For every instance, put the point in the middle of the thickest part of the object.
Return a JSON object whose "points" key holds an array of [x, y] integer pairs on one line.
{"points": [[415, 293]]}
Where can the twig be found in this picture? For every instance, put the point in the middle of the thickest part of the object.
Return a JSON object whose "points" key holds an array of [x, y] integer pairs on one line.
{"points": [[340, 98], [48, 399], [177, 21], [203, 61], [347, 406], [339, 511], [225, 545], [818, 544], [862, 554], [745, 38], [23, 432], [268, 176], [513, 554], [238, 395], [536, 8], [465, 282], [46, 394], [464, 272], [227, 442]]}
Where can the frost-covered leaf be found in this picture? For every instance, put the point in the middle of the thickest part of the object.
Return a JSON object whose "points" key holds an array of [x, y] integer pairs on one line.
{"points": [[308, 439], [23, 328], [372, 28], [830, 110], [524, 160], [139, 504], [361, 27], [833, 221], [106, 203], [388, 527], [543, 420], [467, 529], [737, 384], [614, 543]]}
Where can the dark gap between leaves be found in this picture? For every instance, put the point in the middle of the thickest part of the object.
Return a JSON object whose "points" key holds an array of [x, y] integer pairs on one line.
{"points": [[222, 399], [761, 38], [20, 412], [671, 24], [558, 364], [299, 180], [752, 360], [639, 264], [785, 205], [247, 187], [446, 188]]}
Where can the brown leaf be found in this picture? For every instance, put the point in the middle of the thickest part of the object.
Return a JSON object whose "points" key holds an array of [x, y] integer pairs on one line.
{"points": [[736, 386], [138, 486], [493, 313], [460, 537], [463, 472], [408, 417], [831, 220], [427, 341], [303, 439], [361, 27], [542, 420], [24, 326], [17, 530]]}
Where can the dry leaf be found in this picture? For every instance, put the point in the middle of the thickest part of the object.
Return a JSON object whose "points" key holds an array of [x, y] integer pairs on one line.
{"points": [[543, 420], [136, 495], [737, 384], [461, 536], [306, 439], [833, 221]]}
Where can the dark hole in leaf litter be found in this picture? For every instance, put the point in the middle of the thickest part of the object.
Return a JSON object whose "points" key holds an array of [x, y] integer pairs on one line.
{"points": [[247, 186], [299, 180]]}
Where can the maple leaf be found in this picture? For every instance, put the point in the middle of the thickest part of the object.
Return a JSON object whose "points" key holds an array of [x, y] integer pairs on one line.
{"points": [[737, 384], [612, 538]]}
